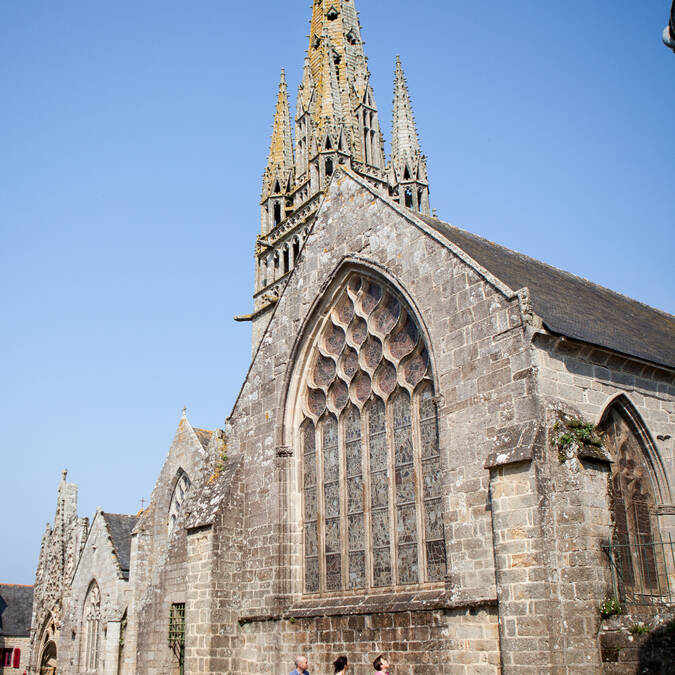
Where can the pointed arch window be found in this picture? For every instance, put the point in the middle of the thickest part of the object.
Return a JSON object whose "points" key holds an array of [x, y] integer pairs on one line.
{"points": [[178, 498], [371, 469], [637, 554], [91, 627]]}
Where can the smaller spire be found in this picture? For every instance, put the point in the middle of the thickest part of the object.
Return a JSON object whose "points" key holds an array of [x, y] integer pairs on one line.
{"points": [[329, 103], [405, 144], [281, 147]]}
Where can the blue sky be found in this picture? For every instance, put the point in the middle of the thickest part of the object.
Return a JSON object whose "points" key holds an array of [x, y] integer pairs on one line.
{"points": [[133, 136]]}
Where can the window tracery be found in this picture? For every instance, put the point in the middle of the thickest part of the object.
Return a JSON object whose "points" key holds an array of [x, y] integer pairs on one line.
{"points": [[177, 498], [371, 470], [91, 625], [635, 528]]}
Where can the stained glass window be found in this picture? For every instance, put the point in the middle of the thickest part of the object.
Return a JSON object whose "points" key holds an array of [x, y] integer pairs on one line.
{"points": [[372, 472], [91, 623]]}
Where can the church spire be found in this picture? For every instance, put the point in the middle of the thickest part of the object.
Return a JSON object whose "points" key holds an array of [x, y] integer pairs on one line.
{"points": [[405, 144], [336, 124], [280, 160], [409, 166]]}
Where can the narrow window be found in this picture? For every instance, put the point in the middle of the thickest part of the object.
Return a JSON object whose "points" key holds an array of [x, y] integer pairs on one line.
{"points": [[406, 512], [311, 509], [409, 198], [7, 661], [431, 486], [286, 260], [277, 213], [329, 168], [379, 493], [296, 251], [420, 199], [177, 633], [331, 495], [355, 515]]}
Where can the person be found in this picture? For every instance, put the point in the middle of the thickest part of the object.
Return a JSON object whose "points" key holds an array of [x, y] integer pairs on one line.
{"points": [[341, 664], [300, 666], [381, 665]]}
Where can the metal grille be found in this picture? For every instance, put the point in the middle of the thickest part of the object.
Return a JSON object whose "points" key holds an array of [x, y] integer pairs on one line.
{"points": [[177, 625], [643, 573]]}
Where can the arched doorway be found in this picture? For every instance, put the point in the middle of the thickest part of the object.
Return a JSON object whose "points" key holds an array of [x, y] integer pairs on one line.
{"points": [[48, 661]]}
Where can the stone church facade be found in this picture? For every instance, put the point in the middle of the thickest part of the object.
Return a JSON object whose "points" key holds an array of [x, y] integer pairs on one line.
{"points": [[443, 450]]}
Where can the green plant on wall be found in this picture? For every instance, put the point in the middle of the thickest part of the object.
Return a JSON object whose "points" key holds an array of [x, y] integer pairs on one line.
{"points": [[610, 607], [572, 433]]}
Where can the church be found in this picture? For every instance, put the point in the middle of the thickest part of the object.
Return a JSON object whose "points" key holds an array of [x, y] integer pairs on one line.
{"points": [[435, 455]]}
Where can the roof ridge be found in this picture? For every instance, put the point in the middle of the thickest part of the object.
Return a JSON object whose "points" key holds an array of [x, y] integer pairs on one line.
{"points": [[549, 265], [17, 585]]}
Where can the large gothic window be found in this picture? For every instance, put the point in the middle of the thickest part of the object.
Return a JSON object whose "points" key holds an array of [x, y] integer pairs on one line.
{"points": [[177, 499], [635, 543], [91, 629], [371, 469]]}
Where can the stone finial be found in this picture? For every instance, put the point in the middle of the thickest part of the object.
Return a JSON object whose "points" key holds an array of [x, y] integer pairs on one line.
{"points": [[184, 412], [64, 475]]}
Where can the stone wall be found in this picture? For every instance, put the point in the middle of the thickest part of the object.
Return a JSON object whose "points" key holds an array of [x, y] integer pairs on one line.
{"points": [[416, 642]]}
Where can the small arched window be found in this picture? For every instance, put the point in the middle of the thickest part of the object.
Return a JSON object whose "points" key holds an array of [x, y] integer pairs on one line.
{"points": [[177, 498], [329, 167], [636, 553], [91, 629], [371, 466], [277, 213]]}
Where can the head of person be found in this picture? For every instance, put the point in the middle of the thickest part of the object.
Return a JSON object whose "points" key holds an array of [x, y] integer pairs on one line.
{"points": [[301, 664], [341, 663], [380, 663]]}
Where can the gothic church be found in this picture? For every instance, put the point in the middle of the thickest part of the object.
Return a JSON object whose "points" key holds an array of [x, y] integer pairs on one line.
{"points": [[433, 455]]}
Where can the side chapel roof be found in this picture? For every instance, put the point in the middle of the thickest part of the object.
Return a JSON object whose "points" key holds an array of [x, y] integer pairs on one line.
{"points": [[570, 305], [120, 527], [16, 609]]}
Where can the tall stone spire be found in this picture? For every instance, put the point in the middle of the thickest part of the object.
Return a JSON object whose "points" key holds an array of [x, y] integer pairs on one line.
{"points": [[408, 164], [336, 124]]}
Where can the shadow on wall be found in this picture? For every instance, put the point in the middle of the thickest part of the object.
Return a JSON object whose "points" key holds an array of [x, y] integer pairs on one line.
{"points": [[657, 653]]}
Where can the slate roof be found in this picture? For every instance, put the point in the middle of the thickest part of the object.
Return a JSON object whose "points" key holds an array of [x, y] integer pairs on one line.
{"points": [[571, 306], [204, 436], [16, 608], [120, 528]]}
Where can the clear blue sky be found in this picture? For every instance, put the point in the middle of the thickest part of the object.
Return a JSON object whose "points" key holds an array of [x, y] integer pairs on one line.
{"points": [[132, 140]]}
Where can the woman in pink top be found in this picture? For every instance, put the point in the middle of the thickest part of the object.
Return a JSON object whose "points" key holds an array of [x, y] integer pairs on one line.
{"points": [[381, 665]]}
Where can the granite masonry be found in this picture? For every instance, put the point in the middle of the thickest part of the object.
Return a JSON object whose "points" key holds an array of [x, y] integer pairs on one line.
{"points": [[443, 450]]}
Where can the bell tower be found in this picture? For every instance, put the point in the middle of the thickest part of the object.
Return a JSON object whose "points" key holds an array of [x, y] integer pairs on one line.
{"points": [[336, 124]]}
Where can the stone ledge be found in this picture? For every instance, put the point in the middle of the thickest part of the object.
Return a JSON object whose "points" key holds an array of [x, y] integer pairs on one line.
{"points": [[393, 603]]}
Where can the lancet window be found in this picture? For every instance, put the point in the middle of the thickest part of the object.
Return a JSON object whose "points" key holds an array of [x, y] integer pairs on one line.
{"points": [[91, 627], [177, 499], [635, 542], [371, 467]]}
